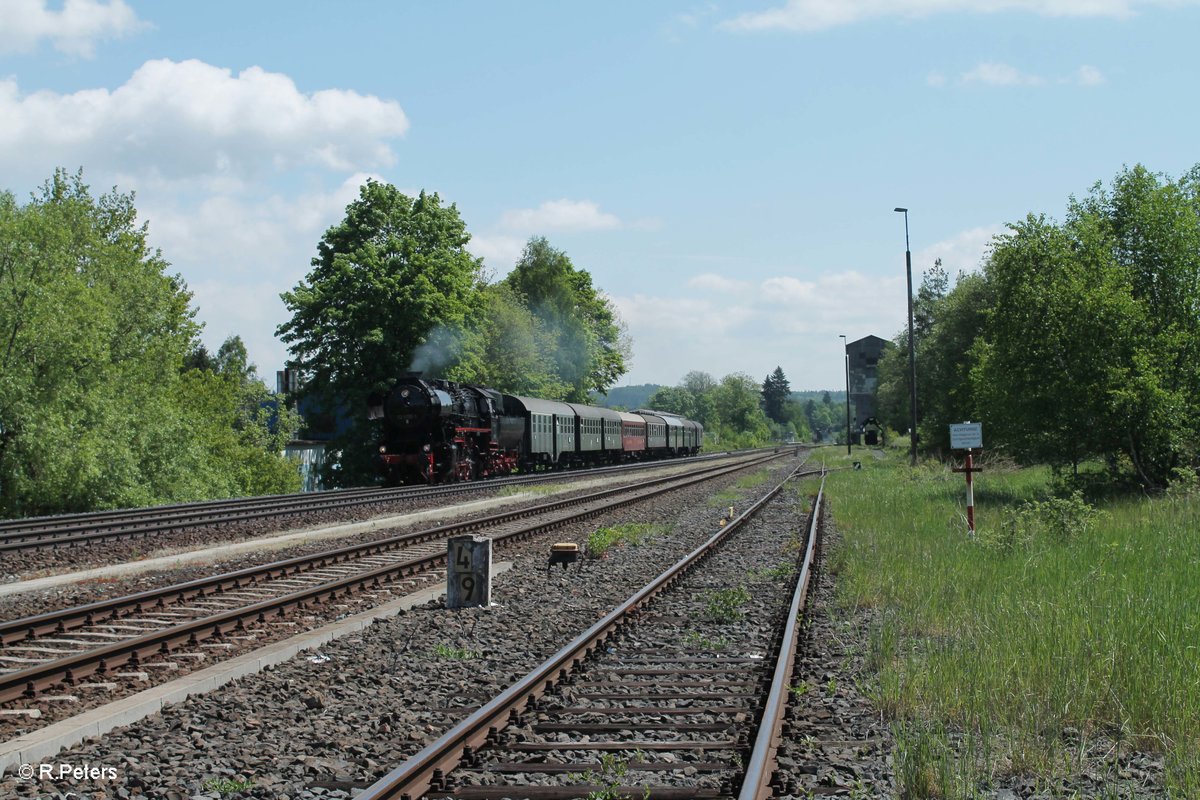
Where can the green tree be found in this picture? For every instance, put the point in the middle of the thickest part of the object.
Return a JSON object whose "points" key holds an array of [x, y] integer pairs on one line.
{"points": [[1056, 338], [508, 348], [591, 346], [775, 393], [391, 289], [674, 399], [93, 409], [743, 423]]}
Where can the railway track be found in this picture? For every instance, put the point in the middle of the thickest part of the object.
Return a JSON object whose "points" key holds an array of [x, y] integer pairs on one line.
{"points": [[632, 707], [64, 647], [76, 530]]}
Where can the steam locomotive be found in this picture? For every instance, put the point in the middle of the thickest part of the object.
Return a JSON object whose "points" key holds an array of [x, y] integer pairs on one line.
{"points": [[437, 431]]}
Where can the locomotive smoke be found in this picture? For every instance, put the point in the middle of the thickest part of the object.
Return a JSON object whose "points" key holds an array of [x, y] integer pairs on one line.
{"points": [[441, 349]]}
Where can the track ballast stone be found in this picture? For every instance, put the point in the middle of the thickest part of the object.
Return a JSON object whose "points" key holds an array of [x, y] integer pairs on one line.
{"points": [[343, 716]]}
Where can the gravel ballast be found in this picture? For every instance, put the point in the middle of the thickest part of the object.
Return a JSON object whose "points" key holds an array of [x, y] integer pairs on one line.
{"points": [[323, 722]]}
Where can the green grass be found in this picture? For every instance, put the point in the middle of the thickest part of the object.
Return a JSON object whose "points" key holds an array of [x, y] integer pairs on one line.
{"points": [[1057, 616], [450, 653], [224, 786], [724, 606], [632, 533]]}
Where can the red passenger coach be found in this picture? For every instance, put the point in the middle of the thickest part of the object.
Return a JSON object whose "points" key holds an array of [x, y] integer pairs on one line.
{"points": [[633, 435]]}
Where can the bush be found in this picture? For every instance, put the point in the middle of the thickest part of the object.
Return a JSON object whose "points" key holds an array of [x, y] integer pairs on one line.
{"points": [[1058, 519]]}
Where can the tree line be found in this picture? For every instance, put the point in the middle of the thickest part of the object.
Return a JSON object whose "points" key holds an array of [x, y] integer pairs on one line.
{"points": [[107, 398], [1077, 342], [737, 411]]}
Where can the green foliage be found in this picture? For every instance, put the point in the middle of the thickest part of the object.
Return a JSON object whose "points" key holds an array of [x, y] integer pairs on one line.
{"points": [[724, 606], [589, 343], [509, 348], [451, 653], [602, 540], [94, 408], [224, 786], [703, 642], [1091, 628], [1080, 340], [674, 399], [613, 769], [775, 393], [1056, 519], [391, 290]]}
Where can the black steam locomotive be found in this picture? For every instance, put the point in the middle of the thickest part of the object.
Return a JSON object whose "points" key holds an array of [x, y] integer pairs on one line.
{"points": [[436, 431]]}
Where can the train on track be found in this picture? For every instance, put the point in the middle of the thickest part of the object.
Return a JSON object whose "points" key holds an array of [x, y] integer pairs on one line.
{"points": [[437, 431]]}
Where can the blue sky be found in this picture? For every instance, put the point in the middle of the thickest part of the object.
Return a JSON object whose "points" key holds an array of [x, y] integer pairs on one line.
{"points": [[726, 171]]}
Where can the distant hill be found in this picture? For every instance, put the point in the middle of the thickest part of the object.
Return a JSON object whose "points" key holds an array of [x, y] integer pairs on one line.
{"points": [[628, 396]]}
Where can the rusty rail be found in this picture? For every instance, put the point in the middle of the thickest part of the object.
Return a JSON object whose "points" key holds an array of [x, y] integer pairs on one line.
{"points": [[760, 769], [74, 530], [29, 681], [425, 770]]}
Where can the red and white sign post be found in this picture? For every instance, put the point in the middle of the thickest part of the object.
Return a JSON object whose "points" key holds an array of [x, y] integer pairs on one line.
{"points": [[968, 436]]}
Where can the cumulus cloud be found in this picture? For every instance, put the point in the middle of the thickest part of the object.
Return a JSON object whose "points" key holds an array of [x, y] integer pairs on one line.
{"points": [[963, 252], [816, 15], [781, 320], [499, 252], [181, 119], [238, 249], [73, 30], [560, 215]]}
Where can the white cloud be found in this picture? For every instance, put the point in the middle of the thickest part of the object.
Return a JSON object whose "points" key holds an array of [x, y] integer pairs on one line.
{"points": [[963, 252], [239, 249], [182, 119], [996, 74], [74, 30], [499, 252], [935, 79], [816, 15], [560, 215], [782, 320]]}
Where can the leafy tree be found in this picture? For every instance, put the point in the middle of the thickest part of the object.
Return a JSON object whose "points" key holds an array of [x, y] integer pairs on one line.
{"points": [[591, 346], [946, 323], [508, 348], [736, 400], [1054, 343], [93, 406], [775, 392], [674, 399], [391, 289]]}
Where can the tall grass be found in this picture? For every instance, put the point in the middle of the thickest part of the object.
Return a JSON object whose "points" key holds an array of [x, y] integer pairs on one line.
{"points": [[1056, 618]]}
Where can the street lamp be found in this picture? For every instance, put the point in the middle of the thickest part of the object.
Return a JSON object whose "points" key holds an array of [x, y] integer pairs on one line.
{"points": [[912, 353], [846, 352]]}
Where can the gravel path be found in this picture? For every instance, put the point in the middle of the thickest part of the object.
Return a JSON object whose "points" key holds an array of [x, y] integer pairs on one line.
{"points": [[320, 724]]}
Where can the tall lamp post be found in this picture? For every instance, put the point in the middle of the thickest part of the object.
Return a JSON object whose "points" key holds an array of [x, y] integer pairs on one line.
{"points": [[912, 353], [846, 353]]}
